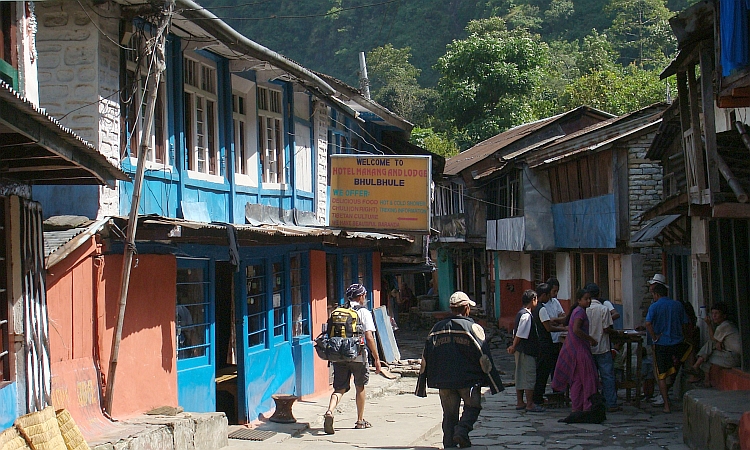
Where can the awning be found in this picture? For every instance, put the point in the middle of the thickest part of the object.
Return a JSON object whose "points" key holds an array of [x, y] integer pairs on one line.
{"points": [[653, 228], [36, 149]]}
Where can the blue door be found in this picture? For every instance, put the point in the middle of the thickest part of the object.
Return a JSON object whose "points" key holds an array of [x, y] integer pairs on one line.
{"points": [[265, 365], [196, 384]]}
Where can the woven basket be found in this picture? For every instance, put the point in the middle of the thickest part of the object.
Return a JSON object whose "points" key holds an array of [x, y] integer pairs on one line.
{"points": [[41, 431], [71, 434], [10, 439]]}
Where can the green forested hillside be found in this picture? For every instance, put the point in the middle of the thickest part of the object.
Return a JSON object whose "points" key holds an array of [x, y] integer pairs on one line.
{"points": [[312, 33], [465, 70]]}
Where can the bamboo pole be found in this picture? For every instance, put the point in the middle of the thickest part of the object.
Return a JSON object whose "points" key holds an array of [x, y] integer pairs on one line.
{"points": [[158, 64]]}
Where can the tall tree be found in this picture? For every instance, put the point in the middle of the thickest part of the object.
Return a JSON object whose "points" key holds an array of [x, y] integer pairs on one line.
{"points": [[486, 78], [393, 83], [640, 32]]}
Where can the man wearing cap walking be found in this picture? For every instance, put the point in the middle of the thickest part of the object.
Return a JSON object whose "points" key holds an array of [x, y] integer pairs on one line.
{"points": [[457, 361], [664, 322], [343, 371]]}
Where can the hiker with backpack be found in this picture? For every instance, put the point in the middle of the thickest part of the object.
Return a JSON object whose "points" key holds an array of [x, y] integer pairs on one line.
{"points": [[360, 326]]}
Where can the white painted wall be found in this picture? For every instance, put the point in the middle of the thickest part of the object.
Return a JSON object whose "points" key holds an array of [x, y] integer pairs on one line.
{"points": [[79, 77], [564, 276]]}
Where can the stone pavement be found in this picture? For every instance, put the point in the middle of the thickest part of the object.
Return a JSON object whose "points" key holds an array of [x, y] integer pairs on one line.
{"points": [[403, 421], [501, 426]]}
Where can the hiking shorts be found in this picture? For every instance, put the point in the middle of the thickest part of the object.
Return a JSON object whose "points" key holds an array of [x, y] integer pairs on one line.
{"points": [[343, 371], [669, 358]]}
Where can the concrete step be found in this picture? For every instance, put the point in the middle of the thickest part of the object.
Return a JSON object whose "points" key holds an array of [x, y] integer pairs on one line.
{"points": [[184, 431], [712, 418]]}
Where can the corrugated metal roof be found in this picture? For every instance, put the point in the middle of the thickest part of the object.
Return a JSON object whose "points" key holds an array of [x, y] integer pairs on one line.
{"points": [[653, 228], [58, 244], [29, 128], [489, 147], [598, 136], [273, 230], [53, 240]]}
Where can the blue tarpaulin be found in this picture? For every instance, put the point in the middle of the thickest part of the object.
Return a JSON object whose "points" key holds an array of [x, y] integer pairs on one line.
{"points": [[589, 223], [734, 35]]}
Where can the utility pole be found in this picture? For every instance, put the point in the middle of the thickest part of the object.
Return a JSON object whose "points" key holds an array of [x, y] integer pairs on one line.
{"points": [[157, 65], [364, 82]]}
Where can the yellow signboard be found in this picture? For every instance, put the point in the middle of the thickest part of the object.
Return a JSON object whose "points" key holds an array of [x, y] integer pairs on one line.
{"points": [[389, 193]]}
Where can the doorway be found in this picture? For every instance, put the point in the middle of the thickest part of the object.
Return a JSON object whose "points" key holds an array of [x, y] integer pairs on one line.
{"points": [[226, 342]]}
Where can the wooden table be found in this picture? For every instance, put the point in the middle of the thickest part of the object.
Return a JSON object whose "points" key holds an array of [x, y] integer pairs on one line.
{"points": [[633, 377]]}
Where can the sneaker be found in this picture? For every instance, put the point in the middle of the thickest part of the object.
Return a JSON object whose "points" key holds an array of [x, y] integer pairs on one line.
{"points": [[658, 402]]}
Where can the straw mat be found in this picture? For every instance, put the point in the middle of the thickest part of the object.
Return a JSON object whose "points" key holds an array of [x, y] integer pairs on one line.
{"points": [[41, 431], [71, 434], [11, 440]]}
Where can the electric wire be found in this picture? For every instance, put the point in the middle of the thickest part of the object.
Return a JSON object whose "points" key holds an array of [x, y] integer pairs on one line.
{"points": [[93, 22], [307, 16]]}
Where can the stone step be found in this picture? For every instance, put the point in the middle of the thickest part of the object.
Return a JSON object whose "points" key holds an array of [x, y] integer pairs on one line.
{"points": [[183, 431], [711, 418]]}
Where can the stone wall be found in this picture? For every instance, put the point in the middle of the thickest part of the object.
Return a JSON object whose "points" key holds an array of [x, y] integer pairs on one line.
{"points": [[644, 191], [79, 82]]}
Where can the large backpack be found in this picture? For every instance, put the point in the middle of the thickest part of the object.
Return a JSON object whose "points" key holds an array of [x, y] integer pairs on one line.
{"points": [[342, 340]]}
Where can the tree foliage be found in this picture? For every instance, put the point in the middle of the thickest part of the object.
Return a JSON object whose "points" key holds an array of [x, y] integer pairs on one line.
{"points": [[640, 29], [393, 84], [486, 77]]}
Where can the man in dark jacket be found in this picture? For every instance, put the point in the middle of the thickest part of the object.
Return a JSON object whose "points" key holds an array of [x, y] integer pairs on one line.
{"points": [[457, 361]]}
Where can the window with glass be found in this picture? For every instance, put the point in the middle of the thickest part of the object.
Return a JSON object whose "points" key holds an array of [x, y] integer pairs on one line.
{"points": [[362, 269], [279, 300], [271, 134], [504, 196], [240, 119], [300, 313], [192, 321], [592, 268], [256, 305], [134, 107], [348, 269], [6, 363], [201, 117], [543, 267], [449, 199]]}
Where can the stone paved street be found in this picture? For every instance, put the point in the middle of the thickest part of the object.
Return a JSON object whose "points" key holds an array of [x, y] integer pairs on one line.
{"points": [[402, 420]]}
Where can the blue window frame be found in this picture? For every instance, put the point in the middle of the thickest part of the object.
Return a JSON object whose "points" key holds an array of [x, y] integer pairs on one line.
{"points": [[300, 296], [256, 305], [193, 309], [279, 299]]}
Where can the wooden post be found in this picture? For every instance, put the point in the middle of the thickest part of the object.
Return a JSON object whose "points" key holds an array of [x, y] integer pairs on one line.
{"points": [[157, 65], [709, 121]]}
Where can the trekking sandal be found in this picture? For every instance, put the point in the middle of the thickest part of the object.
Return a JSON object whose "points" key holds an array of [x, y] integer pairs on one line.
{"points": [[328, 423], [362, 424]]}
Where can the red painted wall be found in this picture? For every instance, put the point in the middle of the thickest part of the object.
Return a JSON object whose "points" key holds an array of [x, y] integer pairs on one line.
{"points": [[147, 362], [511, 292], [730, 379], [71, 295], [319, 311]]}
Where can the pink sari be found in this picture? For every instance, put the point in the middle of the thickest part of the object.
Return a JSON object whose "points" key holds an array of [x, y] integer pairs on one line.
{"points": [[575, 367]]}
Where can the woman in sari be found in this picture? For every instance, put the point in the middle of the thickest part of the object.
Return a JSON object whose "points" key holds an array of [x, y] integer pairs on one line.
{"points": [[575, 367]]}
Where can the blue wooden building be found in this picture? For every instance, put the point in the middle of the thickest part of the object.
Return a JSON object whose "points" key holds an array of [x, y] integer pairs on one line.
{"points": [[236, 189]]}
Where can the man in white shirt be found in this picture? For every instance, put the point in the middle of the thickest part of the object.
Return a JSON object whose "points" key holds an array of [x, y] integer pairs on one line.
{"points": [[600, 325], [555, 311]]}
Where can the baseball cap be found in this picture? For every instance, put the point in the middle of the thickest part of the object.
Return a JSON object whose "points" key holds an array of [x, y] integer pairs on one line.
{"points": [[461, 299], [658, 278]]}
